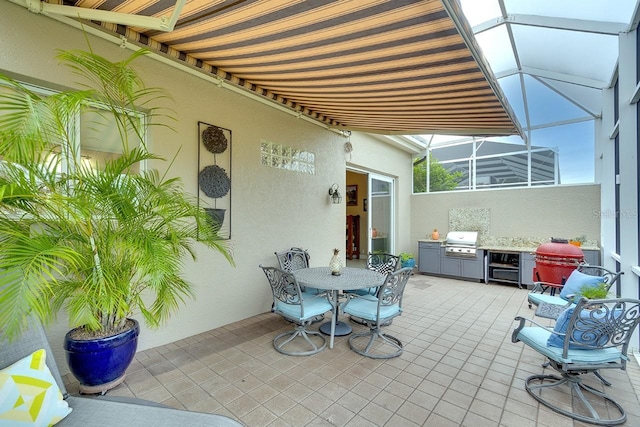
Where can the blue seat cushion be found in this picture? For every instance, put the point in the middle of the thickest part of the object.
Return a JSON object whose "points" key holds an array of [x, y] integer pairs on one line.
{"points": [[537, 299], [365, 291], [576, 281], [537, 338], [366, 308], [313, 306]]}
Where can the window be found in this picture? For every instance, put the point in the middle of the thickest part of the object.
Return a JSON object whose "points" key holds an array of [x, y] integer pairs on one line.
{"points": [[94, 135], [100, 138], [562, 154]]}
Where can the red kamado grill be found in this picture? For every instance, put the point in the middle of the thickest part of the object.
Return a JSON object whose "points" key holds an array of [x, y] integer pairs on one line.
{"points": [[556, 260]]}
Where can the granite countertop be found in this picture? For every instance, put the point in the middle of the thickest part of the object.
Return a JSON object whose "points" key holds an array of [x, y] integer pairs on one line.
{"points": [[515, 244]]}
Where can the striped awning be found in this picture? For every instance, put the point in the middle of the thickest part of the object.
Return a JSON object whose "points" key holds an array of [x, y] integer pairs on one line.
{"points": [[389, 67]]}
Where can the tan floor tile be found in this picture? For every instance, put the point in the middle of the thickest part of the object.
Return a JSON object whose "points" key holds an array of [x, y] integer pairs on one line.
{"points": [[414, 412], [455, 371], [279, 404], [258, 417], [376, 414], [298, 416]]}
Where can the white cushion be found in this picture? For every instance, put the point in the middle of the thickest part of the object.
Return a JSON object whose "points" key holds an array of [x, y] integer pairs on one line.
{"points": [[29, 395]]}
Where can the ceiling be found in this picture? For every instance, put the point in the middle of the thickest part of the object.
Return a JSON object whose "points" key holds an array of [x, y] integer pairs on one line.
{"points": [[551, 59], [392, 67]]}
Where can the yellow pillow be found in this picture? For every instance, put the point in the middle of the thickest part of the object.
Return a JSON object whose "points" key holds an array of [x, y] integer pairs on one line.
{"points": [[29, 395]]}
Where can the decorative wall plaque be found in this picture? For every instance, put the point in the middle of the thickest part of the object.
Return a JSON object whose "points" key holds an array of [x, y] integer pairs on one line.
{"points": [[214, 174]]}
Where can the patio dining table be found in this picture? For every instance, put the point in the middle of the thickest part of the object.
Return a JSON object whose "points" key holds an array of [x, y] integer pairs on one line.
{"points": [[349, 279]]}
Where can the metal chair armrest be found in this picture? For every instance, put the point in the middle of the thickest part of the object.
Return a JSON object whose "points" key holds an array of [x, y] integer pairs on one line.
{"points": [[541, 287], [521, 324]]}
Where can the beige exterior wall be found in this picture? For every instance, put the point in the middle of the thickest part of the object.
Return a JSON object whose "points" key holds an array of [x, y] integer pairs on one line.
{"points": [[541, 212], [272, 209]]}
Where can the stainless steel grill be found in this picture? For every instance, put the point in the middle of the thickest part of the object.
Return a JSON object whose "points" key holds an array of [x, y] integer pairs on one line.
{"points": [[461, 243]]}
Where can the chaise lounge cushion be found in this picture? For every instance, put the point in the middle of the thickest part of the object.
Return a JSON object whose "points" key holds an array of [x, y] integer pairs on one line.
{"points": [[101, 412], [104, 411]]}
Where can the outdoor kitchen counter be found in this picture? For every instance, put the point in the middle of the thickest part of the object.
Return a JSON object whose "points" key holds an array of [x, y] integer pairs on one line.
{"points": [[530, 249], [433, 260], [510, 248], [432, 241]]}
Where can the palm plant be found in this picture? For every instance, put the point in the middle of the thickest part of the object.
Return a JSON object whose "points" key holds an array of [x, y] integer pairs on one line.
{"points": [[102, 242]]}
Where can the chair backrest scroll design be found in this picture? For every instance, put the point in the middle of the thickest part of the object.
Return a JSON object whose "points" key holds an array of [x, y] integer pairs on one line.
{"points": [[605, 323], [284, 287], [293, 259], [383, 263], [392, 290], [610, 278]]}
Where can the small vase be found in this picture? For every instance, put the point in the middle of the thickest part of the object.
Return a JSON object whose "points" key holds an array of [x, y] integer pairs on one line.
{"points": [[335, 264], [435, 235]]}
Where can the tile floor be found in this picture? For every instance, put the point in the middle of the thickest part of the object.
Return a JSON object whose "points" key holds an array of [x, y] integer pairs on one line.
{"points": [[459, 368]]}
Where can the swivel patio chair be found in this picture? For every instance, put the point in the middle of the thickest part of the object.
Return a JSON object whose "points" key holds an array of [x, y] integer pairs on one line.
{"points": [[299, 308], [375, 311], [584, 274], [295, 259], [590, 336], [382, 263]]}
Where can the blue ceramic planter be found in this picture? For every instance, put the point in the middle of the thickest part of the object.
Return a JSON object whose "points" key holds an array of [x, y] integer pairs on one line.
{"points": [[100, 364], [408, 263]]}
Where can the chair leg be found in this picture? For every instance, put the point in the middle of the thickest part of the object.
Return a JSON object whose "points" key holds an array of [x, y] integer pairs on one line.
{"points": [[377, 345], [583, 397], [601, 378], [300, 331], [360, 321]]}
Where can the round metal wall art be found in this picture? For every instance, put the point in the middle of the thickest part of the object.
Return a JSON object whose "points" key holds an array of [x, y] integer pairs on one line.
{"points": [[214, 140], [214, 181]]}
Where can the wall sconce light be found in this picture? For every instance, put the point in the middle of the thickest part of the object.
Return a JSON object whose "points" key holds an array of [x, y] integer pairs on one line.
{"points": [[334, 194]]}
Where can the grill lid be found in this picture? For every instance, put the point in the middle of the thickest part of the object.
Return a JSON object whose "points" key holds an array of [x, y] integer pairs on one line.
{"points": [[462, 238]]}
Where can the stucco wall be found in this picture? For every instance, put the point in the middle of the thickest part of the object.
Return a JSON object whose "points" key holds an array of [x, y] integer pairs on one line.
{"points": [[272, 209], [567, 211]]}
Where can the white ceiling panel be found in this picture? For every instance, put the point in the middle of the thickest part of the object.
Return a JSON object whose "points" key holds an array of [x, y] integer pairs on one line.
{"points": [[497, 49], [478, 11], [589, 99], [587, 55], [596, 10]]}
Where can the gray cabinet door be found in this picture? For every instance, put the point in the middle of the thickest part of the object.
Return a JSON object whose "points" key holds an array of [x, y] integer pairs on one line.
{"points": [[591, 257], [473, 268], [429, 258], [450, 266], [527, 263]]}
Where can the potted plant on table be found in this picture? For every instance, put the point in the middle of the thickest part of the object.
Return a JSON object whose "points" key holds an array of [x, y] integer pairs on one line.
{"points": [[407, 260], [102, 242]]}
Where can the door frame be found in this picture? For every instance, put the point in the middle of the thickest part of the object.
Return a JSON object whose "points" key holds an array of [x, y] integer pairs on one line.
{"points": [[392, 185]]}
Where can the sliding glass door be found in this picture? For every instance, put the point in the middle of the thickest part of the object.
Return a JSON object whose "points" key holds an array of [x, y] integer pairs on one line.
{"points": [[381, 214]]}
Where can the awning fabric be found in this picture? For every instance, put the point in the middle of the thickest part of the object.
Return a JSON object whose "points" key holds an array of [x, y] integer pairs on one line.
{"points": [[389, 67]]}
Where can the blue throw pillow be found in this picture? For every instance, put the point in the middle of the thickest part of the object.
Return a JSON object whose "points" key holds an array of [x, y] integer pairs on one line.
{"points": [[581, 334], [576, 281], [561, 326]]}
